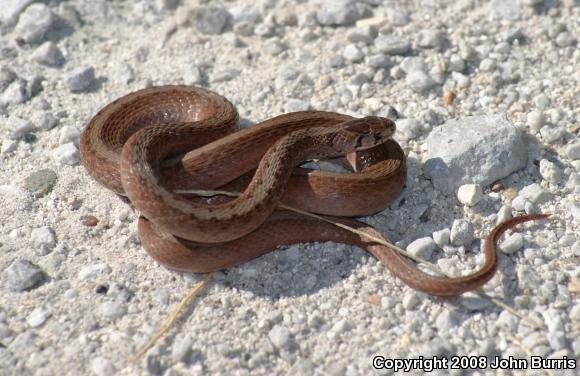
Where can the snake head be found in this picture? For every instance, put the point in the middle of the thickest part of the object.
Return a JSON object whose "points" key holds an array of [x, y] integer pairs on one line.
{"points": [[368, 132]]}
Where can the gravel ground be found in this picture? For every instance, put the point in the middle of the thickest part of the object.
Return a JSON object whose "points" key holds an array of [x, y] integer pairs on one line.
{"points": [[497, 81]]}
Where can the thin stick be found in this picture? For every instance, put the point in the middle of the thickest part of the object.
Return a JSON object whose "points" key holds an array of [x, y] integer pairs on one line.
{"points": [[425, 263], [172, 318]]}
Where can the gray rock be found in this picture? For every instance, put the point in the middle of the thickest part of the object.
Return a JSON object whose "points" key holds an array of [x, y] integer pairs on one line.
{"points": [[392, 45], [166, 4], [192, 75], [280, 337], [419, 81], [422, 247], [359, 79], [364, 34], [378, 61], [431, 38], [80, 79], [112, 310], [340, 12], [536, 120], [7, 76], [506, 10], [352, 53], [16, 93], [19, 127], [22, 275], [48, 54], [461, 233], [91, 272], [181, 350], [69, 134], [40, 182], [535, 194], [477, 149], [456, 63], [409, 129], [34, 23], [225, 74], [573, 151], [102, 366], [209, 19], [273, 46], [11, 10], [446, 321], [45, 120], [565, 39], [264, 30], [66, 154]]}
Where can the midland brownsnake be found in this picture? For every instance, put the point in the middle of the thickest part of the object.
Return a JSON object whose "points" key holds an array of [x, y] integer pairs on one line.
{"points": [[126, 147]]}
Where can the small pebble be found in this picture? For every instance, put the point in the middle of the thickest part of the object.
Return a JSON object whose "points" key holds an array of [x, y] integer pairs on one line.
{"points": [[550, 171], [565, 39], [43, 238], [192, 75], [364, 34], [16, 93], [431, 38], [339, 12], [66, 154], [48, 54], [22, 275], [461, 233], [422, 247], [210, 20], [469, 194], [34, 23], [352, 53], [512, 243], [419, 81], [181, 349], [112, 310], [573, 151], [91, 272], [89, 220], [536, 120], [280, 337], [442, 237], [294, 105], [223, 75], [37, 317], [19, 127], [392, 45], [69, 134], [102, 366], [409, 129], [80, 79]]}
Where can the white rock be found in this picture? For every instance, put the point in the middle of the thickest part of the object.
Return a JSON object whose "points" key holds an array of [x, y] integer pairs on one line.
{"points": [[441, 237], [535, 194], [504, 213], [536, 120], [419, 81], [8, 146], [90, 272], [469, 194], [69, 134], [550, 171], [43, 237], [19, 127], [512, 243], [280, 337], [422, 247], [67, 154], [37, 317], [573, 151]]}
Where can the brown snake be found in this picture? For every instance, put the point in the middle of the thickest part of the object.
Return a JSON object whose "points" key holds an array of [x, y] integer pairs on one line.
{"points": [[150, 144]]}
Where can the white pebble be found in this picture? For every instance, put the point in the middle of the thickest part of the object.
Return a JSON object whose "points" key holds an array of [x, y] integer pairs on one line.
{"points": [[469, 194], [409, 129], [441, 237], [43, 237], [67, 154], [504, 213], [573, 151], [280, 337], [512, 243], [37, 317], [69, 134], [550, 171], [19, 127], [422, 247], [536, 120]]}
